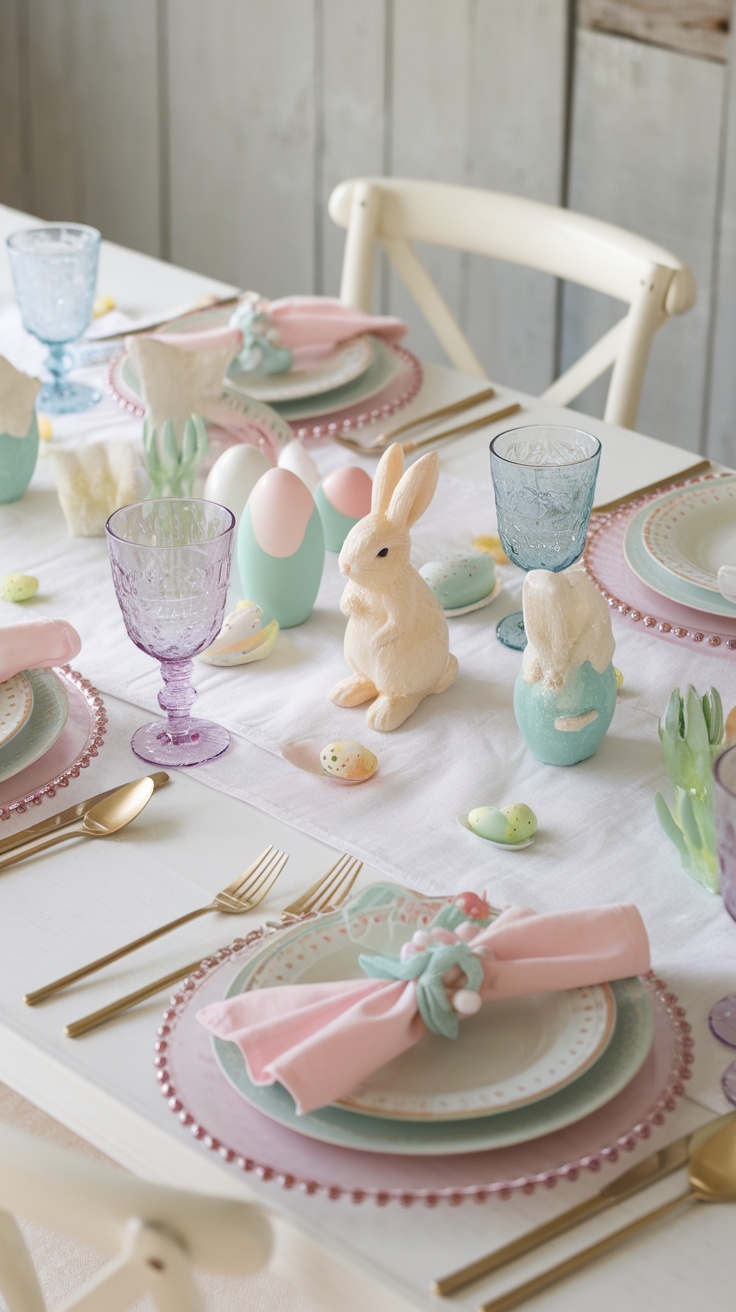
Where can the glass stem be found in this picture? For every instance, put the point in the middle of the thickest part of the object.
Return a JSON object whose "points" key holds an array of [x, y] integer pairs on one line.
{"points": [[58, 362], [177, 697]]}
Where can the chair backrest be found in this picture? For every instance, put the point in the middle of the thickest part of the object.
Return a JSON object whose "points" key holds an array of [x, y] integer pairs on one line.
{"points": [[573, 247], [156, 1235]]}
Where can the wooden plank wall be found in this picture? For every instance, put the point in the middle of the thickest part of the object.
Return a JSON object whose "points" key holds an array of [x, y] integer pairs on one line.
{"points": [[212, 134]]}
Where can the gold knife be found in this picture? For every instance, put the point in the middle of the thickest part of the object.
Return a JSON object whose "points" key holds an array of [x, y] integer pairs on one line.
{"points": [[408, 447], [652, 1169], [66, 817], [78, 1027]]}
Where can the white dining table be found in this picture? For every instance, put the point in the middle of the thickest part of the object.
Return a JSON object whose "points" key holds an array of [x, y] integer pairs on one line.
{"points": [[65, 907]]}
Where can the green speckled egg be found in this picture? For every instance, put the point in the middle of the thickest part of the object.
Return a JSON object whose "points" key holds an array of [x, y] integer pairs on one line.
{"points": [[18, 587], [512, 824]]}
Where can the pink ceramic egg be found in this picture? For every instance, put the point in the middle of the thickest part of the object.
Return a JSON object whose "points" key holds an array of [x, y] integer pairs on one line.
{"points": [[342, 499]]}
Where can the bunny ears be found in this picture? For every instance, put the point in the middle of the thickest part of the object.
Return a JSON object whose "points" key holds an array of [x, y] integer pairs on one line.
{"points": [[403, 497]]}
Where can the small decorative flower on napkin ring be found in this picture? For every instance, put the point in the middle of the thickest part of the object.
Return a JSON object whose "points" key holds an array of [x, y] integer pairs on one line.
{"points": [[447, 973]]}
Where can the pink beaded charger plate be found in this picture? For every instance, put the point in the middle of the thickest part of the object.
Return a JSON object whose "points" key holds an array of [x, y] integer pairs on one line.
{"points": [[627, 594], [211, 1110], [76, 747]]}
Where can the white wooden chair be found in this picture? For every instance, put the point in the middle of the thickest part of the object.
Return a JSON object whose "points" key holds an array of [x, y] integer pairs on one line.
{"points": [[156, 1236], [397, 211]]}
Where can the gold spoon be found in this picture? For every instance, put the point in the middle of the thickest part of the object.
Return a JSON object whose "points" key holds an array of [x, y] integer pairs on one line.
{"points": [[105, 817], [711, 1179]]}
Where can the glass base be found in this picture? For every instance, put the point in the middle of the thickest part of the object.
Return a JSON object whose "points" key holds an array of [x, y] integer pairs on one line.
{"points": [[510, 631], [728, 1083], [722, 1020], [204, 742], [66, 398]]}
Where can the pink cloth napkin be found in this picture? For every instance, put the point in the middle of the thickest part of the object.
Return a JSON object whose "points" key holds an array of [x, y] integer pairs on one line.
{"points": [[310, 326], [322, 1040], [36, 644]]}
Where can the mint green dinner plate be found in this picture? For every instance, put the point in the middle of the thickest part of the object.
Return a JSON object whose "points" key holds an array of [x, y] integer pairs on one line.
{"points": [[660, 579]]}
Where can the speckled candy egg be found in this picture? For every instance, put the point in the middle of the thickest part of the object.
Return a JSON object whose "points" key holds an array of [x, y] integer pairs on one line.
{"points": [[512, 824], [18, 587], [281, 548], [348, 760], [460, 581], [342, 499]]}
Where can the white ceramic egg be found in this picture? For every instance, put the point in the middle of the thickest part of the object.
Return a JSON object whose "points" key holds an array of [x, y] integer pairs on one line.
{"points": [[346, 759], [293, 456], [233, 477]]}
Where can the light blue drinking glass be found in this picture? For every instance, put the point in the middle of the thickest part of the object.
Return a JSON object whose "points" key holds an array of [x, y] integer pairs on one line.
{"points": [[54, 270], [544, 481]]}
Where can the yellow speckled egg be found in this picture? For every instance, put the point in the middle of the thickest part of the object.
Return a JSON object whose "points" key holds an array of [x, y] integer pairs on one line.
{"points": [[18, 587], [619, 678], [348, 760]]}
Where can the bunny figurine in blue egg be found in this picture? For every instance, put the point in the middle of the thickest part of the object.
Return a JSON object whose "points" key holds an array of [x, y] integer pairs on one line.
{"points": [[565, 693]]}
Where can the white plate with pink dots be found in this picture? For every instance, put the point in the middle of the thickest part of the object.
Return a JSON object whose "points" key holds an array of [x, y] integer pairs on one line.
{"points": [[511, 1054]]}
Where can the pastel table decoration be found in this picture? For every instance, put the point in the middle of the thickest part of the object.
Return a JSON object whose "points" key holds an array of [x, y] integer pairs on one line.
{"points": [[322, 1040], [565, 692], [691, 733], [281, 548], [171, 461], [92, 480], [18, 587], [724, 786], [511, 826], [292, 332], [18, 430], [295, 457], [234, 475], [342, 499], [178, 382], [243, 637], [462, 583], [349, 761], [396, 640], [54, 271]]}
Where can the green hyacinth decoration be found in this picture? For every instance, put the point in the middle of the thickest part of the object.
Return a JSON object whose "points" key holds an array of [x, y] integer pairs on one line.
{"points": [[172, 468], [691, 733]]}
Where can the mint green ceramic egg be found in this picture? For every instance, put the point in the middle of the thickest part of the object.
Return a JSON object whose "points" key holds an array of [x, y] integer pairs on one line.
{"points": [[281, 548]]}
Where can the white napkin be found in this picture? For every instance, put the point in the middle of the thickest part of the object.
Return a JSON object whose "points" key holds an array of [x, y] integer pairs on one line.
{"points": [[177, 383], [18, 394]]}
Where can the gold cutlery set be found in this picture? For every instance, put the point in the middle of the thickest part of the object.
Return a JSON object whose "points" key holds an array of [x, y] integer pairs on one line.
{"points": [[111, 811], [379, 443]]}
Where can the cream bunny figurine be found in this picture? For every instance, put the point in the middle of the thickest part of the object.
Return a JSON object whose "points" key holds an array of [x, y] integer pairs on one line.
{"points": [[565, 693], [396, 640]]}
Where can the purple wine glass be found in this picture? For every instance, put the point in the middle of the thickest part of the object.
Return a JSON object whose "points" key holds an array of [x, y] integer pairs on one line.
{"points": [[171, 566]]}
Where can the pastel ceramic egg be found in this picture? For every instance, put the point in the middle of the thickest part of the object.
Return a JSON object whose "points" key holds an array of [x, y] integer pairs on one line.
{"points": [[293, 456], [459, 582], [18, 587], [243, 637], [346, 759], [512, 824], [281, 548], [233, 477], [342, 499], [17, 462]]}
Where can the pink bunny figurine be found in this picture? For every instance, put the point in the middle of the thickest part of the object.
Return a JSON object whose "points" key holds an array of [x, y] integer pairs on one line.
{"points": [[396, 640]]}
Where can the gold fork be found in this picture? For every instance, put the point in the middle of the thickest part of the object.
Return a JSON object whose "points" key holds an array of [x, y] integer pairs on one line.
{"points": [[244, 893], [329, 891]]}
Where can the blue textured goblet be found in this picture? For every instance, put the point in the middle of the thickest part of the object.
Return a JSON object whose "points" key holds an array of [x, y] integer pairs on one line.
{"points": [[544, 481], [54, 270]]}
